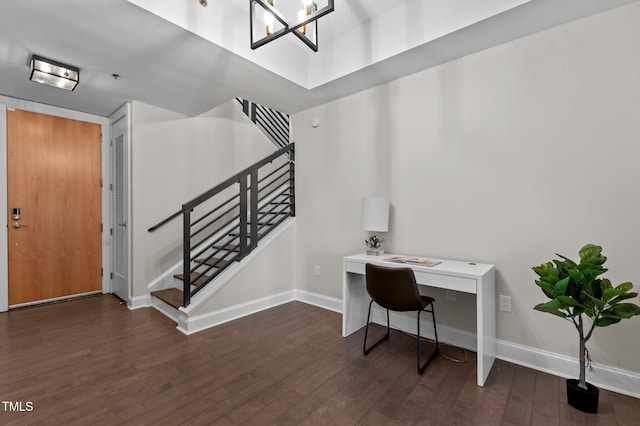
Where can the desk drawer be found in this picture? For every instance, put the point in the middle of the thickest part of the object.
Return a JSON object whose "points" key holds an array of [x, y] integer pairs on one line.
{"points": [[465, 285], [356, 267]]}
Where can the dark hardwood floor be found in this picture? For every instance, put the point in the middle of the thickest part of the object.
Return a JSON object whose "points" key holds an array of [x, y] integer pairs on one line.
{"points": [[92, 361]]}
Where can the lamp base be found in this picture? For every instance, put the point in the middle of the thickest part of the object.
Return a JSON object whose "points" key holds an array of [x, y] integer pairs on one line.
{"points": [[375, 252]]}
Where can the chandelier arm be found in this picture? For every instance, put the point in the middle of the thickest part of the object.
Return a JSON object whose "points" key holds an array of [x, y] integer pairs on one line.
{"points": [[311, 18], [315, 15], [313, 46], [276, 14]]}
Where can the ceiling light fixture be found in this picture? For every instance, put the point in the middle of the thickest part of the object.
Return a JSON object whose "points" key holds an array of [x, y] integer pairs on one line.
{"points": [[268, 24], [54, 73]]}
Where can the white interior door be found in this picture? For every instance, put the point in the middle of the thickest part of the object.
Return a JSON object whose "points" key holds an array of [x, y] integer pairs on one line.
{"points": [[121, 284]]}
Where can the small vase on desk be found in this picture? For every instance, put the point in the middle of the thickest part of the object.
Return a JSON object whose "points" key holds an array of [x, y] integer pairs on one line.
{"points": [[375, 252], [374, 243]]}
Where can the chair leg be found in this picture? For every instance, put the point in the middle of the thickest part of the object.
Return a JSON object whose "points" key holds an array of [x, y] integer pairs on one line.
{"points": [[437, 348], [366, 331], [435, 331]]}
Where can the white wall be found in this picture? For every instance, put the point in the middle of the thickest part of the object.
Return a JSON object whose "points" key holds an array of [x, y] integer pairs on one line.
{"points": [[272, 272], [505, 156], [174, 159]]}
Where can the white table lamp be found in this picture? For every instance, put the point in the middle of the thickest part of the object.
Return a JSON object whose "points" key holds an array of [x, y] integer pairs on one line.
{"points": [[375, 218]]}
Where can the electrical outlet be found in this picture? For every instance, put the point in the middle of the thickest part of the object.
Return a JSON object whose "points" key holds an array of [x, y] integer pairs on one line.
{"points": [[316, 270], [451, 295], [505, 303]]}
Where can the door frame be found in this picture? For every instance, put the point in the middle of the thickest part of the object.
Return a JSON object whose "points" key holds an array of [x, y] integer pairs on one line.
{"points": [[122, 117], [13, 103]]}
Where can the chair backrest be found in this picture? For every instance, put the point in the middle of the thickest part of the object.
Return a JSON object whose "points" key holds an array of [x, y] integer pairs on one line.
{"points": [[393, 288]]}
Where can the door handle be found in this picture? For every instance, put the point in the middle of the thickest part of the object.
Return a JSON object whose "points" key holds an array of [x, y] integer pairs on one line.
{"points": [[123, 224], [16, 225]]}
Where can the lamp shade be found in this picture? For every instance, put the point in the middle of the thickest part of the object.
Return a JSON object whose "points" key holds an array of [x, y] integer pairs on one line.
{"points": [[375, 214]]}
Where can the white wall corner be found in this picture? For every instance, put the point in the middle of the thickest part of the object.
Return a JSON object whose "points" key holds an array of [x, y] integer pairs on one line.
{"points": [[319, 300], [140, 302]]}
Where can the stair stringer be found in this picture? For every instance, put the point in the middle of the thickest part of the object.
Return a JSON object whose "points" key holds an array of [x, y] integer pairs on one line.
{"points": [[186, 317], [167, 280]]}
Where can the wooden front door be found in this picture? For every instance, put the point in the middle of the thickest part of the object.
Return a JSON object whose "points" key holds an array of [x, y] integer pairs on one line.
{"points": [[54, 178]]}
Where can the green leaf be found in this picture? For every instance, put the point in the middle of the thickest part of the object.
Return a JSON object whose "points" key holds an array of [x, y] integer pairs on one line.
{"points": [[594, 288], [598, 303], [568, 262], [570, 301], [592, 253], [547, 288], [577, 276], [561, 287], [605, 284], [624, 287], [622, 310], [622, 297], [553, 307], [545, 270], [606, 321], [591, 273], [610, 293]]}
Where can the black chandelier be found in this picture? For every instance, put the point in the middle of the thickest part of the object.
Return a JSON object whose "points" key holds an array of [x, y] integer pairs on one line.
{"points": [[272, 24]]}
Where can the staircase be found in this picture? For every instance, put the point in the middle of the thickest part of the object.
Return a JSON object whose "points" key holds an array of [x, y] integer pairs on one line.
{"points": [[227, 247], [274, 124], [222, 226]]}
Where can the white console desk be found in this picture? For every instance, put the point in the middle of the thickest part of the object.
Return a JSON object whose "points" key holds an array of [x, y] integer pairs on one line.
{"points": [[467, 277]]}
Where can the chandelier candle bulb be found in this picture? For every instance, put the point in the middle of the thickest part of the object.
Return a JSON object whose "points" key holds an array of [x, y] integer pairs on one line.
{"points": [[300, 22], [301, 16], [268, 19]]}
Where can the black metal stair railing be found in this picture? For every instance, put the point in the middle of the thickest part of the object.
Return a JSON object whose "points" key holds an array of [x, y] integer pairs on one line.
{"points": [[224, 224], [274, 124]]}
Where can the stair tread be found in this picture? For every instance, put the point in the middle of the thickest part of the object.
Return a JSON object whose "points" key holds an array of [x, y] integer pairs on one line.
{"points": [[196, 278], [171, 296], [235, 234], [228, 247], [219, 263]]}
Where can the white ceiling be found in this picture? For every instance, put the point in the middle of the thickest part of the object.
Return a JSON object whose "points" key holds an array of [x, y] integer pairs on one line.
{"points": [[177, 55]]}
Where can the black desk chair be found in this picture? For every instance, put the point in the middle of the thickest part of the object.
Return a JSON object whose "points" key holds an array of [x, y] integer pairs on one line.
{"points": [[396, 289]]}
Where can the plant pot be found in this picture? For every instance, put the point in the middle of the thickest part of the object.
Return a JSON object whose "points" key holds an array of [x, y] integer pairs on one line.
{"points": [[585, 400]]}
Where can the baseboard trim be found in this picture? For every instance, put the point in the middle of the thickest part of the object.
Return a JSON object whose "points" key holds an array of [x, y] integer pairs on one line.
{"points": [[407, 323], [140, 302], [610, 378], [605, 377], [190, 325], [319, 300]]}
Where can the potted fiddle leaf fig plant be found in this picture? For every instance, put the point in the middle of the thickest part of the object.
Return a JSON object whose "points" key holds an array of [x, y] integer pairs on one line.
{"points": [[577, 292]]}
